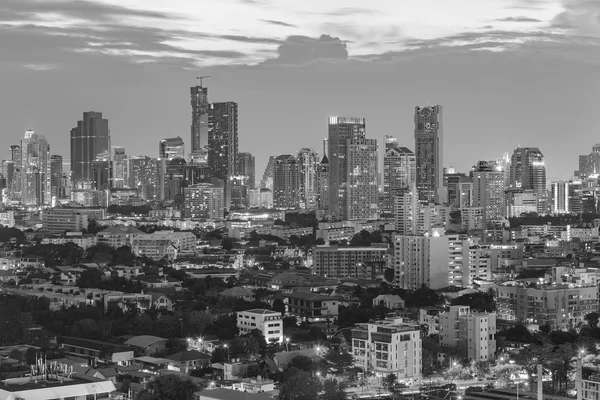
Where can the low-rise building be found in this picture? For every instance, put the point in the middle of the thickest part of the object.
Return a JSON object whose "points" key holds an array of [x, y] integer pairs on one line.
{"points": [[388, 347], [268, 322], [147, 344], [471, 332], [60, 387], [118, 236], [128, 301], [96, 350], [84, 241], [561, 306], [69, 219], [391, 301], [313, 306], [162, 244], [352, 262], [187, 361]]}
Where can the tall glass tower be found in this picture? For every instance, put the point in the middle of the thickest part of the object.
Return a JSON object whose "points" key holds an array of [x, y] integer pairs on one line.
{"points": [[90, 140], [429, 153]]}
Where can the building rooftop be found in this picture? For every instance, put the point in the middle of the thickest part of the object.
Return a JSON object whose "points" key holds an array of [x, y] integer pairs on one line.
{"points": [[311, 296], [261, 311], [143, 341], [189, 355], [121, 230], [230, 394], [43, 389]]}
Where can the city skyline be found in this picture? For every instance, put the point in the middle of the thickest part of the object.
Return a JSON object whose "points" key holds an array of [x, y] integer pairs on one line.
{"points": [[494, 68]]}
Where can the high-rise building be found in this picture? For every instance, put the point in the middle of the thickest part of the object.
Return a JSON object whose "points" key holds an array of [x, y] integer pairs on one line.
{"points": [[171, 148], [144, 176], [421, 260], [406, 211], [353, 170], [353, 262], [172, 179], [560, 192], [286, 183], [199, 129], [101, 171], [267, 180], [89, 140], [246, 166], [15, 156], [528, 172], [589, 164], [488, 190], [223, 143], [120, 168], [458, 189], [519, 201], [8, 175], [204, 200], [35, 172], [56, 174], [391, 142], [429, 147], [323, 183], [308, 162], [399, 172]]}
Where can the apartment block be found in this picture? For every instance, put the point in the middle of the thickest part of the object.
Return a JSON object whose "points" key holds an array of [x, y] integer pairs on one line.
{"points": [[268, 322], [388, 347], [353, 262], [473, 333], [560, 306], [165, 244], [313, 306]]}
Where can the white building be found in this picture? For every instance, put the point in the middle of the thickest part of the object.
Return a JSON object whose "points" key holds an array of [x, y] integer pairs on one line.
{"points": [[204, 200], [168, 244], [118, 236], [471, 332], [82, 240], [63, 387], [7, 218], [388, 347], [471, 218], [268, 322]]}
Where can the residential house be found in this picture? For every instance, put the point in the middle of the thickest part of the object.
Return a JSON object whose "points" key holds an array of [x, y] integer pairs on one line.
{"points": [[96, 350], [189, 360], [147, 344], [237, 292], [313, 306], [161, 301], [391, 301]]}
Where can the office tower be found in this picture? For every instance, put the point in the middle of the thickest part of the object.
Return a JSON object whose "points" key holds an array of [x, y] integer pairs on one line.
{"points": [[286, 183], [267, 180], [196, 173], [406, 211], [246, 166], [35, 172], [144, 176], [429, 148], [323, 183], [308, 161], [204, 200], [560, 192], [223, 143], [421, 260], [391, 142], [90, 141], [489, 186], [120, 168], [399, 172], [353, 170], [56, 174], [589, 164], [199, 129], [171, 148], [172, 178], [528, 172]]}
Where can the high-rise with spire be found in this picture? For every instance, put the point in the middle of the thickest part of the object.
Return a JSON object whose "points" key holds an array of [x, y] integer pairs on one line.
{"points": [[429, 153]]}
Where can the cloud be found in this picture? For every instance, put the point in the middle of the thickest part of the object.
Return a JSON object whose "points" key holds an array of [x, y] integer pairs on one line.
{"points": [[249, 39], [297, 50], [581, 17], [352, 11], [518, 19], [279, 23]]}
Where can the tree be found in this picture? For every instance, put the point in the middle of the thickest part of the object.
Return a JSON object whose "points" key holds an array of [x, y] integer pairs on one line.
{"points": [[592, 319], [483, 302], [85, 328], [279, 305], [199, 288], [303, 363], [339, 360], [389, 382], [299, 385], [176, 345], [168, 387], [334, 390], [389, 274]]}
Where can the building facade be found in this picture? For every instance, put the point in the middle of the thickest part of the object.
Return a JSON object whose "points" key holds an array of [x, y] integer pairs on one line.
{"points": [[204, 200], [308, 168], [528, 172], [223, 143], [268, 322], [353, 262], [471, 332], [171, 148], [35, 174], [488, 191], [199, 127], [247, 167], [89, 139], [286, 183], [399, 173], [429, 146]]}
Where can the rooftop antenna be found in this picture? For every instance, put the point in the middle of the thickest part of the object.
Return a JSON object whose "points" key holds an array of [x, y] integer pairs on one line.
{"points": [[202, 77]]}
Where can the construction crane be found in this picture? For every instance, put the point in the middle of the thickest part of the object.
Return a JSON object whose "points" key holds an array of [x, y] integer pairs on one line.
{"points": [[202, 77]]}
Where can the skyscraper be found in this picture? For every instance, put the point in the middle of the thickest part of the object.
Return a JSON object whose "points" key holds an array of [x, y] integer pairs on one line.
{"points": [[199, 129], [246, 166], [171, 148], [352, 170], [560, 191], [308, 161], [429, 153], [323, 183], [144, 176], [56, 173], [399, 172], [488, 190], [286, 185], [223, 143], [35, 172], [120, 168], [267, 180], [89, 140], [528, 172], [15, 157]]}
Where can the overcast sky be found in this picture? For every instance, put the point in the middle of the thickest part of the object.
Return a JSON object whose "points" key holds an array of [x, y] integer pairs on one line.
{"points": [[508, 72]]}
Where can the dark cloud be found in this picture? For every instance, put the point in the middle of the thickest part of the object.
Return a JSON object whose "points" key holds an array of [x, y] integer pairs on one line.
{"points": [[81, 9], [518, 19], [297, 50], [280, 23]]}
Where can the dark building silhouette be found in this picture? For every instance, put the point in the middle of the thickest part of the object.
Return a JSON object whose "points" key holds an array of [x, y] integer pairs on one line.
{"points": [[89, 141]]}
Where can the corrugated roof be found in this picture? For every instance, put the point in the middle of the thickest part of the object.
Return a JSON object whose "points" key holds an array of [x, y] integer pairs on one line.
{"points": [[143, 341]]}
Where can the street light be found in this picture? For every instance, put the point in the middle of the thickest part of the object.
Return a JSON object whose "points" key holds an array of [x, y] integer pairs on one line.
{"points": [[287, 344], [227, 349]]}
